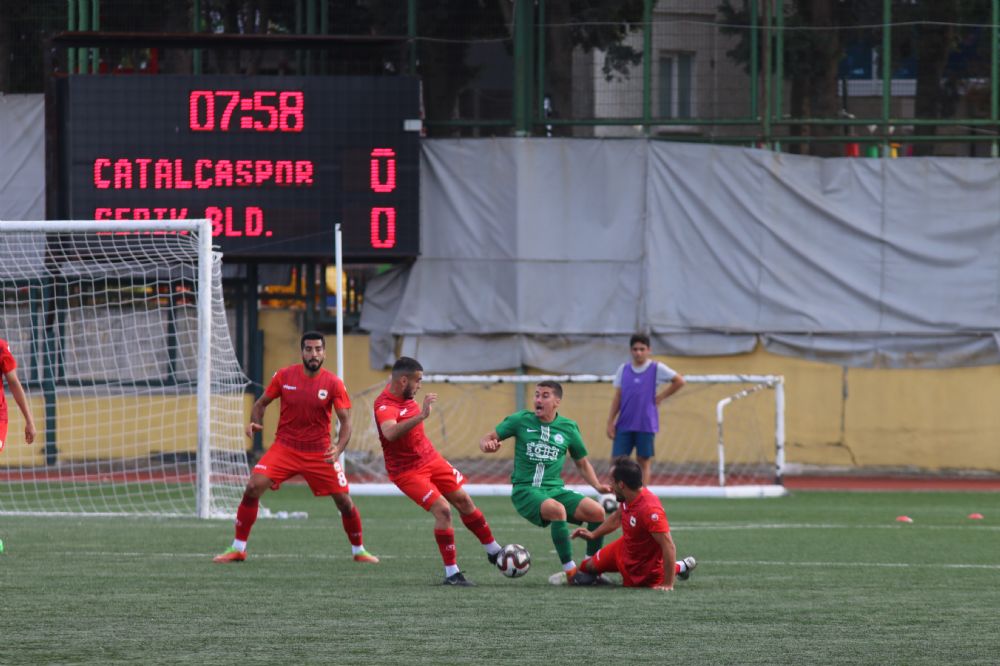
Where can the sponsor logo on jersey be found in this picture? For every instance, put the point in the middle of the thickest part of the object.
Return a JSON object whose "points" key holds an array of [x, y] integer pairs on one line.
{"points": [[654, 517], [559, 439], [289, 387], [381, 407], [531, 430], [631, 521], [424, 498], [323, 394], [402, 412], [259, 466], [542, 452]]}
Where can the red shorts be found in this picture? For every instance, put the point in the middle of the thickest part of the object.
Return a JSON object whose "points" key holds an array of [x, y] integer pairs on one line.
{"points": [[426, 483], [3, 431], [281, 463], [608, 560]]}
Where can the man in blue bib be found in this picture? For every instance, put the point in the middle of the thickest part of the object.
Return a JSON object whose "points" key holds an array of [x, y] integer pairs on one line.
{"points": [[634, 418]]}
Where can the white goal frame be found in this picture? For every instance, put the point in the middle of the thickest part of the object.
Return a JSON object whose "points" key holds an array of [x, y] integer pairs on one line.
{"points": [[207, 505], [756, 382]]}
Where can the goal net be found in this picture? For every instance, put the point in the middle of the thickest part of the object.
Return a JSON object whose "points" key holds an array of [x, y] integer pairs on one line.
{"points": [[123, 348], [722, 435]]}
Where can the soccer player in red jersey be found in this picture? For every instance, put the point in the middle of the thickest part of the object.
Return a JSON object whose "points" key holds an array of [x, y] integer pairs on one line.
{"points": [[417, 468], [8, 369], [302, 445], [645, 553]]}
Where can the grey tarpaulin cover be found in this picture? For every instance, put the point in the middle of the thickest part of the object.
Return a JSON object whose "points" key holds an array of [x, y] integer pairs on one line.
{"points": [[22, 157], [550, 253]]}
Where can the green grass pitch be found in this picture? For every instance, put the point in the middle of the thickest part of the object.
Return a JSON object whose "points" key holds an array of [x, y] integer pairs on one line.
{"points": [[814, 578]]}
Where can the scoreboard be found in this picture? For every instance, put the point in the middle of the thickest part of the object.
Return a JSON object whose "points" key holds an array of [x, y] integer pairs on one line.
{"points": [[273, 162]]}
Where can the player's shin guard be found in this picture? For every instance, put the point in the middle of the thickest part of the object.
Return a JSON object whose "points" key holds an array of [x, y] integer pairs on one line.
{"points": [[446, 544], [560, 538], [352, 526], [476, 523], [246, 516], [594, 545]]}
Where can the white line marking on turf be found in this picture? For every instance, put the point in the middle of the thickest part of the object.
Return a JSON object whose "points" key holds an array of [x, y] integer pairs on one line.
{"points": [[881, 565], [823, 526]]}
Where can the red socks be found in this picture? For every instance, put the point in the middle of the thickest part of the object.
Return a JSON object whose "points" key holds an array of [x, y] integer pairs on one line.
{"points": [[446, 544], [477, 524], [352, 525], [246, 516]]}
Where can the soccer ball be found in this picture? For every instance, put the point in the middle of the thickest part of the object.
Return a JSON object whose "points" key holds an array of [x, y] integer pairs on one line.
{"points": [[514, 560], [609, 502]]}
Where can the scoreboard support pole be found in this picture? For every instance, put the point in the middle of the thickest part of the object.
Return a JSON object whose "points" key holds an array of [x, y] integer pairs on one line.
{"points": [[339, 272]]}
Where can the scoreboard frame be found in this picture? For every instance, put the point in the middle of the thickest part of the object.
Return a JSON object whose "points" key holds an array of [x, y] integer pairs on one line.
{"points": [[274, 162]]}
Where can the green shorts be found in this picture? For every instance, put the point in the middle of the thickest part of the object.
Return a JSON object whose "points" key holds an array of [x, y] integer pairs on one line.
{"points": [[527, 500]]}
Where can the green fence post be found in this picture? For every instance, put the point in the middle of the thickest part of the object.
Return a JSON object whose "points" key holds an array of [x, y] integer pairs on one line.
{"points": [[754, 60], [995, 74], [886, 73], [779, 64], [95, 25], [411, 34], [71, 25], [522, 67], [647, 65], [83, 25]]}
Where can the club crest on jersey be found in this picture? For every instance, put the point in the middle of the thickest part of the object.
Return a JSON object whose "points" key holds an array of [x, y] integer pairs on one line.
{"points": [[322, 394], [631, 521]]}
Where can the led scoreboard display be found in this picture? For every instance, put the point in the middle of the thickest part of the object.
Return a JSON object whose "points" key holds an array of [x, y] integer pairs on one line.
{"points": [[273, 162]]}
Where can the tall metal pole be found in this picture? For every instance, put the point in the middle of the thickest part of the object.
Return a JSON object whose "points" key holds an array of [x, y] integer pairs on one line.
{"points": [[647, 65], [754, 60], [886, 73], [766, 115], [995, 73], [522, 67]]}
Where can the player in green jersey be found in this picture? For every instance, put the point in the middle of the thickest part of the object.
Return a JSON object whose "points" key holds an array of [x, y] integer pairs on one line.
{"points": [[542, 438]]}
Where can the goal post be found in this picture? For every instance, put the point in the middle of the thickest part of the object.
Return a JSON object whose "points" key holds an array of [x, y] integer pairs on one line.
{"points": [[721, 436], [123, 346]]}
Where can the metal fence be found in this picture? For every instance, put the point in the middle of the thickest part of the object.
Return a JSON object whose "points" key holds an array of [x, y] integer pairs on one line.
{"points": [[842, 77]]}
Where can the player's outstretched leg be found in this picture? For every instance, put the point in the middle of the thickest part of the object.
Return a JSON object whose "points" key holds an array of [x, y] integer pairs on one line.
{"points": [[351, 520], [564, 548], [475, 522], [685, 567], [246, 516]]}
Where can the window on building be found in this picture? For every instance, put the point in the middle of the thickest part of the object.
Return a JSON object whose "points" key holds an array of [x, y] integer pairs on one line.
{"points": [[676, 85]]}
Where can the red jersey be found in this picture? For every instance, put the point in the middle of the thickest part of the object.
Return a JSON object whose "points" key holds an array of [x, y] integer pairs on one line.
{"points": [[641, 558], [412, 449], [307, 405], [7, 363]]}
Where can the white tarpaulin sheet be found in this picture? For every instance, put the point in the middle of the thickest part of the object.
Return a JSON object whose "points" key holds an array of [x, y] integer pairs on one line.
{"points": [[550, 252], [22, 157]]}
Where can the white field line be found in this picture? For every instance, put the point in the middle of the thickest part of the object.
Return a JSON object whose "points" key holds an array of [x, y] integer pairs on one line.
{"points": [[891, 525], [878, 565]]}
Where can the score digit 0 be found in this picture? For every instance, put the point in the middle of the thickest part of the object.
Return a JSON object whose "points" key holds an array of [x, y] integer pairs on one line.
{"points": [[380, 186]]}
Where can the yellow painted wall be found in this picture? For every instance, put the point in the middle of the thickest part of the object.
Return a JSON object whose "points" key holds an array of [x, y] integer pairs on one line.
{"points": [[924, 419]]}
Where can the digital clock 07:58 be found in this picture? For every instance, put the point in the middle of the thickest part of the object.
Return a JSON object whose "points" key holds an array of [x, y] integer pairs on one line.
{"points": [[265, 111]]}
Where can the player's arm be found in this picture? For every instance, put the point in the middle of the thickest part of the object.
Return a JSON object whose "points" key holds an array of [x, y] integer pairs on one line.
{"points": [[17, 391], [675, 385], [393, 430], [590, 476], [490, 442], [666, 543], [616, 404], [343, 434], [257, 415], [611, 523]]}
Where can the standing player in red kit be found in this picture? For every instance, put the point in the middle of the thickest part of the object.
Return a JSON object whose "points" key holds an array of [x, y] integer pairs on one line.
{"points": [[417, 468], [302, 445], [8, 371], [645, 553]]}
